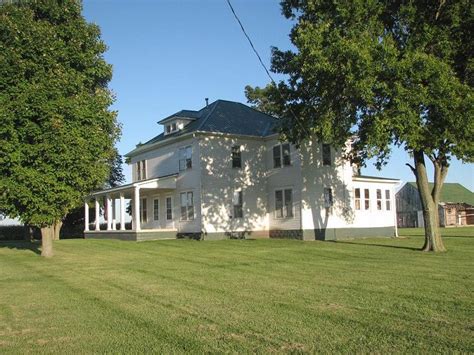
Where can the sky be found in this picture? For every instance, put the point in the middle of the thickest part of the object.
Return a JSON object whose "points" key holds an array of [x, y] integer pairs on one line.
{"points": [[170, 55]]}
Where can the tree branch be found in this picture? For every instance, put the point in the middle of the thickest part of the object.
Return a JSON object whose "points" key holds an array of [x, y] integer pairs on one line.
{"points": [[412, 168], [441, 3]]}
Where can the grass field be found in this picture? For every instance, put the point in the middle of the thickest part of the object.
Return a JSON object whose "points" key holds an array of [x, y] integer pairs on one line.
{"points": [[377, 295]]}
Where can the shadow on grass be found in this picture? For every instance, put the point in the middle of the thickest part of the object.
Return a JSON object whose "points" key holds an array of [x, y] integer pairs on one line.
{"points": [[374, 245], [22, 245]]}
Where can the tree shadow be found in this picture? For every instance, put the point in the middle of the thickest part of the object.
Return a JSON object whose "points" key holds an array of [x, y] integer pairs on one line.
{"points": [[375, 245], [33, 246]]}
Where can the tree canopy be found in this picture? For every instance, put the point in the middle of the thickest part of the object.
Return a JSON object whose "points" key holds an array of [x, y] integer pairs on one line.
{"points": [[57, 132], [393, 73]]}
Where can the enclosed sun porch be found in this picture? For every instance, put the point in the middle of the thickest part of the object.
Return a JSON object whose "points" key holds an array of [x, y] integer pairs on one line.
{"points": [[116, 222]]}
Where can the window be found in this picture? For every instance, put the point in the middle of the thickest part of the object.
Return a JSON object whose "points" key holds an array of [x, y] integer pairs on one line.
{"points": [[276, 157], [238, 203], [185, 158], [169, 209], [379, 199], [286, 154], [236, 157], [366, 199], [387, 200], [284, 203], [187, 206], [281, 154], [141, 169], [173, 127], [168, 129], [143, 211], [156, 209], [328, 198], [326, 154], [357, 198]]}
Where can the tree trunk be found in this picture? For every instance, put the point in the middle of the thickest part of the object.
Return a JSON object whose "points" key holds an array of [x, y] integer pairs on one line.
{"points": [[47, 241], [57, 230], [429, 202]]}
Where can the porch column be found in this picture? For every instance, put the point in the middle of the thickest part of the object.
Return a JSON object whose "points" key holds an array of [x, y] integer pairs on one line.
{"points": [[136, 209], [122, 212], [109, 212], [114, 215], [97, 214], [86, 216]]}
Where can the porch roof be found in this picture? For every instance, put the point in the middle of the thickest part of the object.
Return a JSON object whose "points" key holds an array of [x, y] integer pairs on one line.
{"points": [[166, 182]]}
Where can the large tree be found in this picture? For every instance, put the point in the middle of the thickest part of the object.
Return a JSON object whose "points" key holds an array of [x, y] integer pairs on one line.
{"points": [[393, 73], [57, 133]]}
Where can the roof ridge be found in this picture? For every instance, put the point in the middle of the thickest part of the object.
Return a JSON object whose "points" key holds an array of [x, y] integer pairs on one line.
{"points": [[204, 119]]}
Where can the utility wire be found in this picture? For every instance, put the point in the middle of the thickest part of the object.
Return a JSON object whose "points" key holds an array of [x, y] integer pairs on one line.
{"points": [[264, 66]]}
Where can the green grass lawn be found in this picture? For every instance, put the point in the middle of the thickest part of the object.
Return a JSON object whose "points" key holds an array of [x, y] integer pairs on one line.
{"points": [[377, 295]]}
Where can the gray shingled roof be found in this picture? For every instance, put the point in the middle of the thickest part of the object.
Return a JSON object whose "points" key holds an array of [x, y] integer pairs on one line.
{"points": [[221, 116]]}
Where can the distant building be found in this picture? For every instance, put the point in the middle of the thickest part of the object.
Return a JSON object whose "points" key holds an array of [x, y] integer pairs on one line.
{"points": [[456, 207]]}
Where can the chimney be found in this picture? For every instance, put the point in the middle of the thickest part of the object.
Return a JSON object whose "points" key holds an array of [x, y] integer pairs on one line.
{"points": [[207, 101]]}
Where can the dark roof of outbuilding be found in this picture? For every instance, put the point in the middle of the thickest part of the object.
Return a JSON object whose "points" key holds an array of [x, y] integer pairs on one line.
{"points": [[221, 116]]}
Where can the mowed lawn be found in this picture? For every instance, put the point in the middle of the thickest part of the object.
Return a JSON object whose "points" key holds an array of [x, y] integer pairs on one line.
{"points": [[372, 295]]}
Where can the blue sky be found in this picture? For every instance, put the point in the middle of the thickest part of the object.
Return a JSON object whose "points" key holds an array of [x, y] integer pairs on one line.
{"points": [[169, 55]]}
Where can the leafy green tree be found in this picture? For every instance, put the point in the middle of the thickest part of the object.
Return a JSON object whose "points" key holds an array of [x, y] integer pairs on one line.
{"points": [[57, 133], [267, 99], [393, 73]]}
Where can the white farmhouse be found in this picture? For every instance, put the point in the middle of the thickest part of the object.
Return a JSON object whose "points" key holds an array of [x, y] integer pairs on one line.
{"points": [[221, 172]]}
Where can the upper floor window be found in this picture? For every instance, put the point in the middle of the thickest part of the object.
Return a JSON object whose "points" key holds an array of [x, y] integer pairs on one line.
{"points": [[171, 127], [284, 203], [141, 169], [236, 157], [328, 197], [326, 154], [185, 158], [281, 155], [238, 203], [387, 200], [187, 206]]}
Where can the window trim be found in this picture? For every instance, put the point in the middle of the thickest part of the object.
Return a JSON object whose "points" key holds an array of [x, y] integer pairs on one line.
{"points": [[170, 198], [156, 211], [281, 156], [326, 160], [284, 205], [378, 199], [143, 210], [234, 159], [388, 201], [357, 199], [187, 219], [241, 205], [186, 167], [367, 200]]}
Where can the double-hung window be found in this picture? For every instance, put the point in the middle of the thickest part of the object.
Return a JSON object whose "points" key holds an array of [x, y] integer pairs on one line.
{"points": [[156, 209], [326, 154], [357, 198], [236, 157], [379, 199], [328, 197], [185, 158], [238, 203], [366, 199], [141, 169], [187, 206], [169, 209], [387, 200], [284, 203], [281, 155], [143, 211]]}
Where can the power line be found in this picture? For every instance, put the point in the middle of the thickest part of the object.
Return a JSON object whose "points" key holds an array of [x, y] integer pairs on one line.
{"points": [[264, 66]]}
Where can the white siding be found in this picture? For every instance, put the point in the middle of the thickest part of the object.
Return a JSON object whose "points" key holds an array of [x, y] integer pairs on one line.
{"points": [[219, 181]]}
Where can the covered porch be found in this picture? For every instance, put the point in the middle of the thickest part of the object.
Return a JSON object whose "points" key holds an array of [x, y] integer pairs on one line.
{"points": [[115, 224]]}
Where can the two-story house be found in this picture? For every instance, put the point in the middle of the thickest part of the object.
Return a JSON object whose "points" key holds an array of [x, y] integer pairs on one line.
{"points": [[222, 172]]}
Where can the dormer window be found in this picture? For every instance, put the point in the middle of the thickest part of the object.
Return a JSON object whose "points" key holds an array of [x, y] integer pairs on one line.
{"points": [[172, 127]]}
